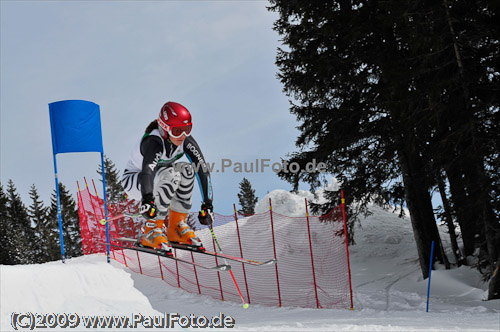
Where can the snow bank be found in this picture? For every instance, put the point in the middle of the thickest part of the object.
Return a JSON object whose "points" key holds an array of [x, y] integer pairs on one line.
{"points": [[293, 204], [86, 285], [387, 276]]}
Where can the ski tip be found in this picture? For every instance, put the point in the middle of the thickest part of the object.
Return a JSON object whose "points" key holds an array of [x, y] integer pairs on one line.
{"points": [[223, 267], [271, 262]]}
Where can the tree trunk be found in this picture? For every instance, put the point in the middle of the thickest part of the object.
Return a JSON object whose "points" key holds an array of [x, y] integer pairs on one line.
{"points": [[492, 234], [449, 220], [464, 213], [419, 204], [490, 224], [494, 285], [479, 183]]}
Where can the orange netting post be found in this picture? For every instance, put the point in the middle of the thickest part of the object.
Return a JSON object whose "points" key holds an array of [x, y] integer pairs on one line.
{"points": [[161, 270], [102, 211], [274, 248], [139, 262], [87, 244], [177, 270], [312, 259], [132, 227], [196, 274], [347, 245], [218, 273], [93, 207], [241, 252]]}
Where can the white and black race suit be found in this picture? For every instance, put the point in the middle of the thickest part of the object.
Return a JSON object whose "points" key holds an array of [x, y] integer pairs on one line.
{"points": [[152, 169]]}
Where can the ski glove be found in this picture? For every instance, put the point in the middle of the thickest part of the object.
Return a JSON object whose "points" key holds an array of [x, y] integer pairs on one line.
{"points": [[206, 215], [148, 207]]}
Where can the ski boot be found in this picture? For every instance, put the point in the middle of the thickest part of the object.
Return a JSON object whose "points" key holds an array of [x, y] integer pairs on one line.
{"points": [[179, 232], [153, 236]]}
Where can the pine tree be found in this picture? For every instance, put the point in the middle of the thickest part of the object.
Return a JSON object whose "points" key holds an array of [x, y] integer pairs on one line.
{"points": [[6, 231], [52, 247], [70, 222], [114, 189], [391, 93], [19, 230], [38, 215], [247, 198]]}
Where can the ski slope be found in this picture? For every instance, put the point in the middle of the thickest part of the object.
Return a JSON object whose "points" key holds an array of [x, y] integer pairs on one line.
{"points": [[389, 293]]}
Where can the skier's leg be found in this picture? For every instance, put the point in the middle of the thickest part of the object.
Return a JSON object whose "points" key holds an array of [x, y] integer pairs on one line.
{"points": [[178, 229], [181, 200], [166, 182]]}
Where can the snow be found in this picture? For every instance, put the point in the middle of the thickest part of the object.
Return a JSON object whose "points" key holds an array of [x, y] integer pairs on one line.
{"points": [[293, 204], [389, 293]]}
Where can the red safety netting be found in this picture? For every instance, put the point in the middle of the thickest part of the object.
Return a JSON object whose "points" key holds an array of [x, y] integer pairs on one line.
{"points": [[312, 269]]}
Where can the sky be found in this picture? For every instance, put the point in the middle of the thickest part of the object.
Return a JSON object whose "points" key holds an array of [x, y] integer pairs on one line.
{"points": [[217, 58]]}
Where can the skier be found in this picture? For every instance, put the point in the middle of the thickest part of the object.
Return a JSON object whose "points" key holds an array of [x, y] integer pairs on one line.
{"points": [[164, 186]]}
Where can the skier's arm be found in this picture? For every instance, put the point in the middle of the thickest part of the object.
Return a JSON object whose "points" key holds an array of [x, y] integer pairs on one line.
{"points": [[193, 153], [151, 150]]}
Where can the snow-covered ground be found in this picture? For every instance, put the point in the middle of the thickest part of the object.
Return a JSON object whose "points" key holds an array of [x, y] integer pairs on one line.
{"points": [[389, 293]]}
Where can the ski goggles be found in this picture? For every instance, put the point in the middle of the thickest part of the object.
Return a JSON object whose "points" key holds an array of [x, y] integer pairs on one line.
{"points": [[175, 131]]}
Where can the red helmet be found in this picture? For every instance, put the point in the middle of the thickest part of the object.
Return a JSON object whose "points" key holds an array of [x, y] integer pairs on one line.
{"points": [[174, 120]]}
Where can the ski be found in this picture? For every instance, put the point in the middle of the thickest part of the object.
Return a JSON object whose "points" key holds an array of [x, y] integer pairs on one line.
{"points": [[221, 255], [210, 253], [119, 216], [162, 253]]}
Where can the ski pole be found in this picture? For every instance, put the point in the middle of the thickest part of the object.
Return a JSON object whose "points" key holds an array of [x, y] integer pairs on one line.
{"points": [[430, 271], [245, 305], [125, 214]]}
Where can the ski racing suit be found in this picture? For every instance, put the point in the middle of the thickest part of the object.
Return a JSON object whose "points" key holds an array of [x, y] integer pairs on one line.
{"points": [[152, 169]]}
